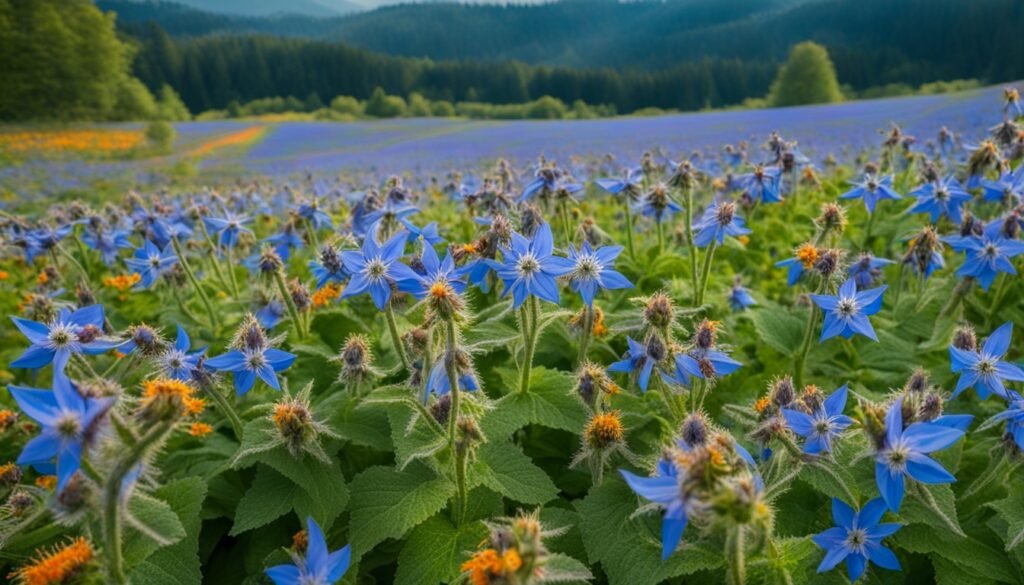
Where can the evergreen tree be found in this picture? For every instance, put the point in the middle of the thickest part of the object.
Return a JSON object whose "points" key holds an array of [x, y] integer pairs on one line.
{"points": [[808, 77]]}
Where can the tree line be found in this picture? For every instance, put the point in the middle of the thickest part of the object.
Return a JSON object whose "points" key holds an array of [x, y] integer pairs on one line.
{"points": [[212, 72]]}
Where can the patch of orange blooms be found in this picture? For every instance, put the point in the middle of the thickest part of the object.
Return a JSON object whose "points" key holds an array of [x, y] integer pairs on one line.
{"points": [[239, 138], [57, 566], [71, 141], [489, 563]]}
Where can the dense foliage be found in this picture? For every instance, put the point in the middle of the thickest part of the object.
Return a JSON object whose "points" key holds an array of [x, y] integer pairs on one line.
{"points": [[807, 77], [872, 42], [526, 378], [63, 61]]}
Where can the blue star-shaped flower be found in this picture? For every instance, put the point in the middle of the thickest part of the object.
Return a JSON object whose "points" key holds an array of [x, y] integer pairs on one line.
{"points": [[762, 184], [594, 269], [719, 220], [824, 424], [942, 197], [78, 332], [251, 362], [67, 419], [857, 538], [637, 360], [664, 488], [847, 312], [529, 267], [150, 262], [375, 267], [228, 228], [985, 370], [318, 567], [905, 453], [872, 190], [177, 362]]}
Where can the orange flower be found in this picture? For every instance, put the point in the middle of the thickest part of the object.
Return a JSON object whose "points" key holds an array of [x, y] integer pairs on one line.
{"points": [[200, 430], [47, 482], [762, 404], [122, 282], [324, 296], [807, 254], [604, 429], [240, 138], [57, 566], [4, 275]]}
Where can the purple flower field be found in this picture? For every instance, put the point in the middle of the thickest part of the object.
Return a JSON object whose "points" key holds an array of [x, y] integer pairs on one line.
{"points": [[435, 145]]}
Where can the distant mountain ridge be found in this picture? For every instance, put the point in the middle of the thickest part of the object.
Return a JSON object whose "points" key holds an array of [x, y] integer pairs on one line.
{"points": [[873, 42], [253, 8]]}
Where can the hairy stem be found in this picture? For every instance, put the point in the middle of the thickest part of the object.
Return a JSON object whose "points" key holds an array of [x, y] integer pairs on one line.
{"points": [[396, 339], [113, 521], [195, 282]]}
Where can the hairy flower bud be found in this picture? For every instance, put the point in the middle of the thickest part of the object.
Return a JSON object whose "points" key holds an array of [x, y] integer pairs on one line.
{"points": [[694, 430], [604, 430], [659, 312], [964, 338]]}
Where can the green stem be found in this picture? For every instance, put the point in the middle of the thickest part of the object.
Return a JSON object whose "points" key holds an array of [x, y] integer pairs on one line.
{"points": [[531, 342], [805, 347], [737, 562], [585, 333], [227, 409], [705, 273], [231, 273], [689, 237], [566, 223], [286, 296], [661, 237], [958, 295], [389, 312], [460, 485], [629, 228], [113, 522], [451, 366], [312, 235], [997, 298], [195, 282], [213, 253]]}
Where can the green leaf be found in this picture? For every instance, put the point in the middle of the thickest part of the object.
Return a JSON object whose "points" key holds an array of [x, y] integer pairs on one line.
{"points": [[387, 503], [971, 555], [1011, 510], [150, 524], [778, 328], [435, 550], [629, 548], [326, 494], [413, 440], [271, 496], [179, 563], [504, 468], [559, 568], [362, 424], [549, 402]]}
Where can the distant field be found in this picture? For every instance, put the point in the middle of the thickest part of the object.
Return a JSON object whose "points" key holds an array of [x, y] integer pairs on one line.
{"points": [[436, 145]]}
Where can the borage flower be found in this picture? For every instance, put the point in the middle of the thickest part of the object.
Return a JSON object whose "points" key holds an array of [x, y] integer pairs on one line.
{"points": [[847, 312], [821, 426], [905, 453], [594, 269], [867, 270], [67, 419], [150, 262], [177, 362], [740, 297], [229, 228], [942, 197], [375, 268], [988, 256], [872, 190], [665, 489], [761, 185], [318, 566], [719, 220], [637, 360], [985, 370], [78, 332], [529, 267], [251, 362], [856, 538]]}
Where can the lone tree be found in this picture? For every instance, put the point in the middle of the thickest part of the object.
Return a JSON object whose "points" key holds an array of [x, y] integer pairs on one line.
{"points": [[807, 77]]}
